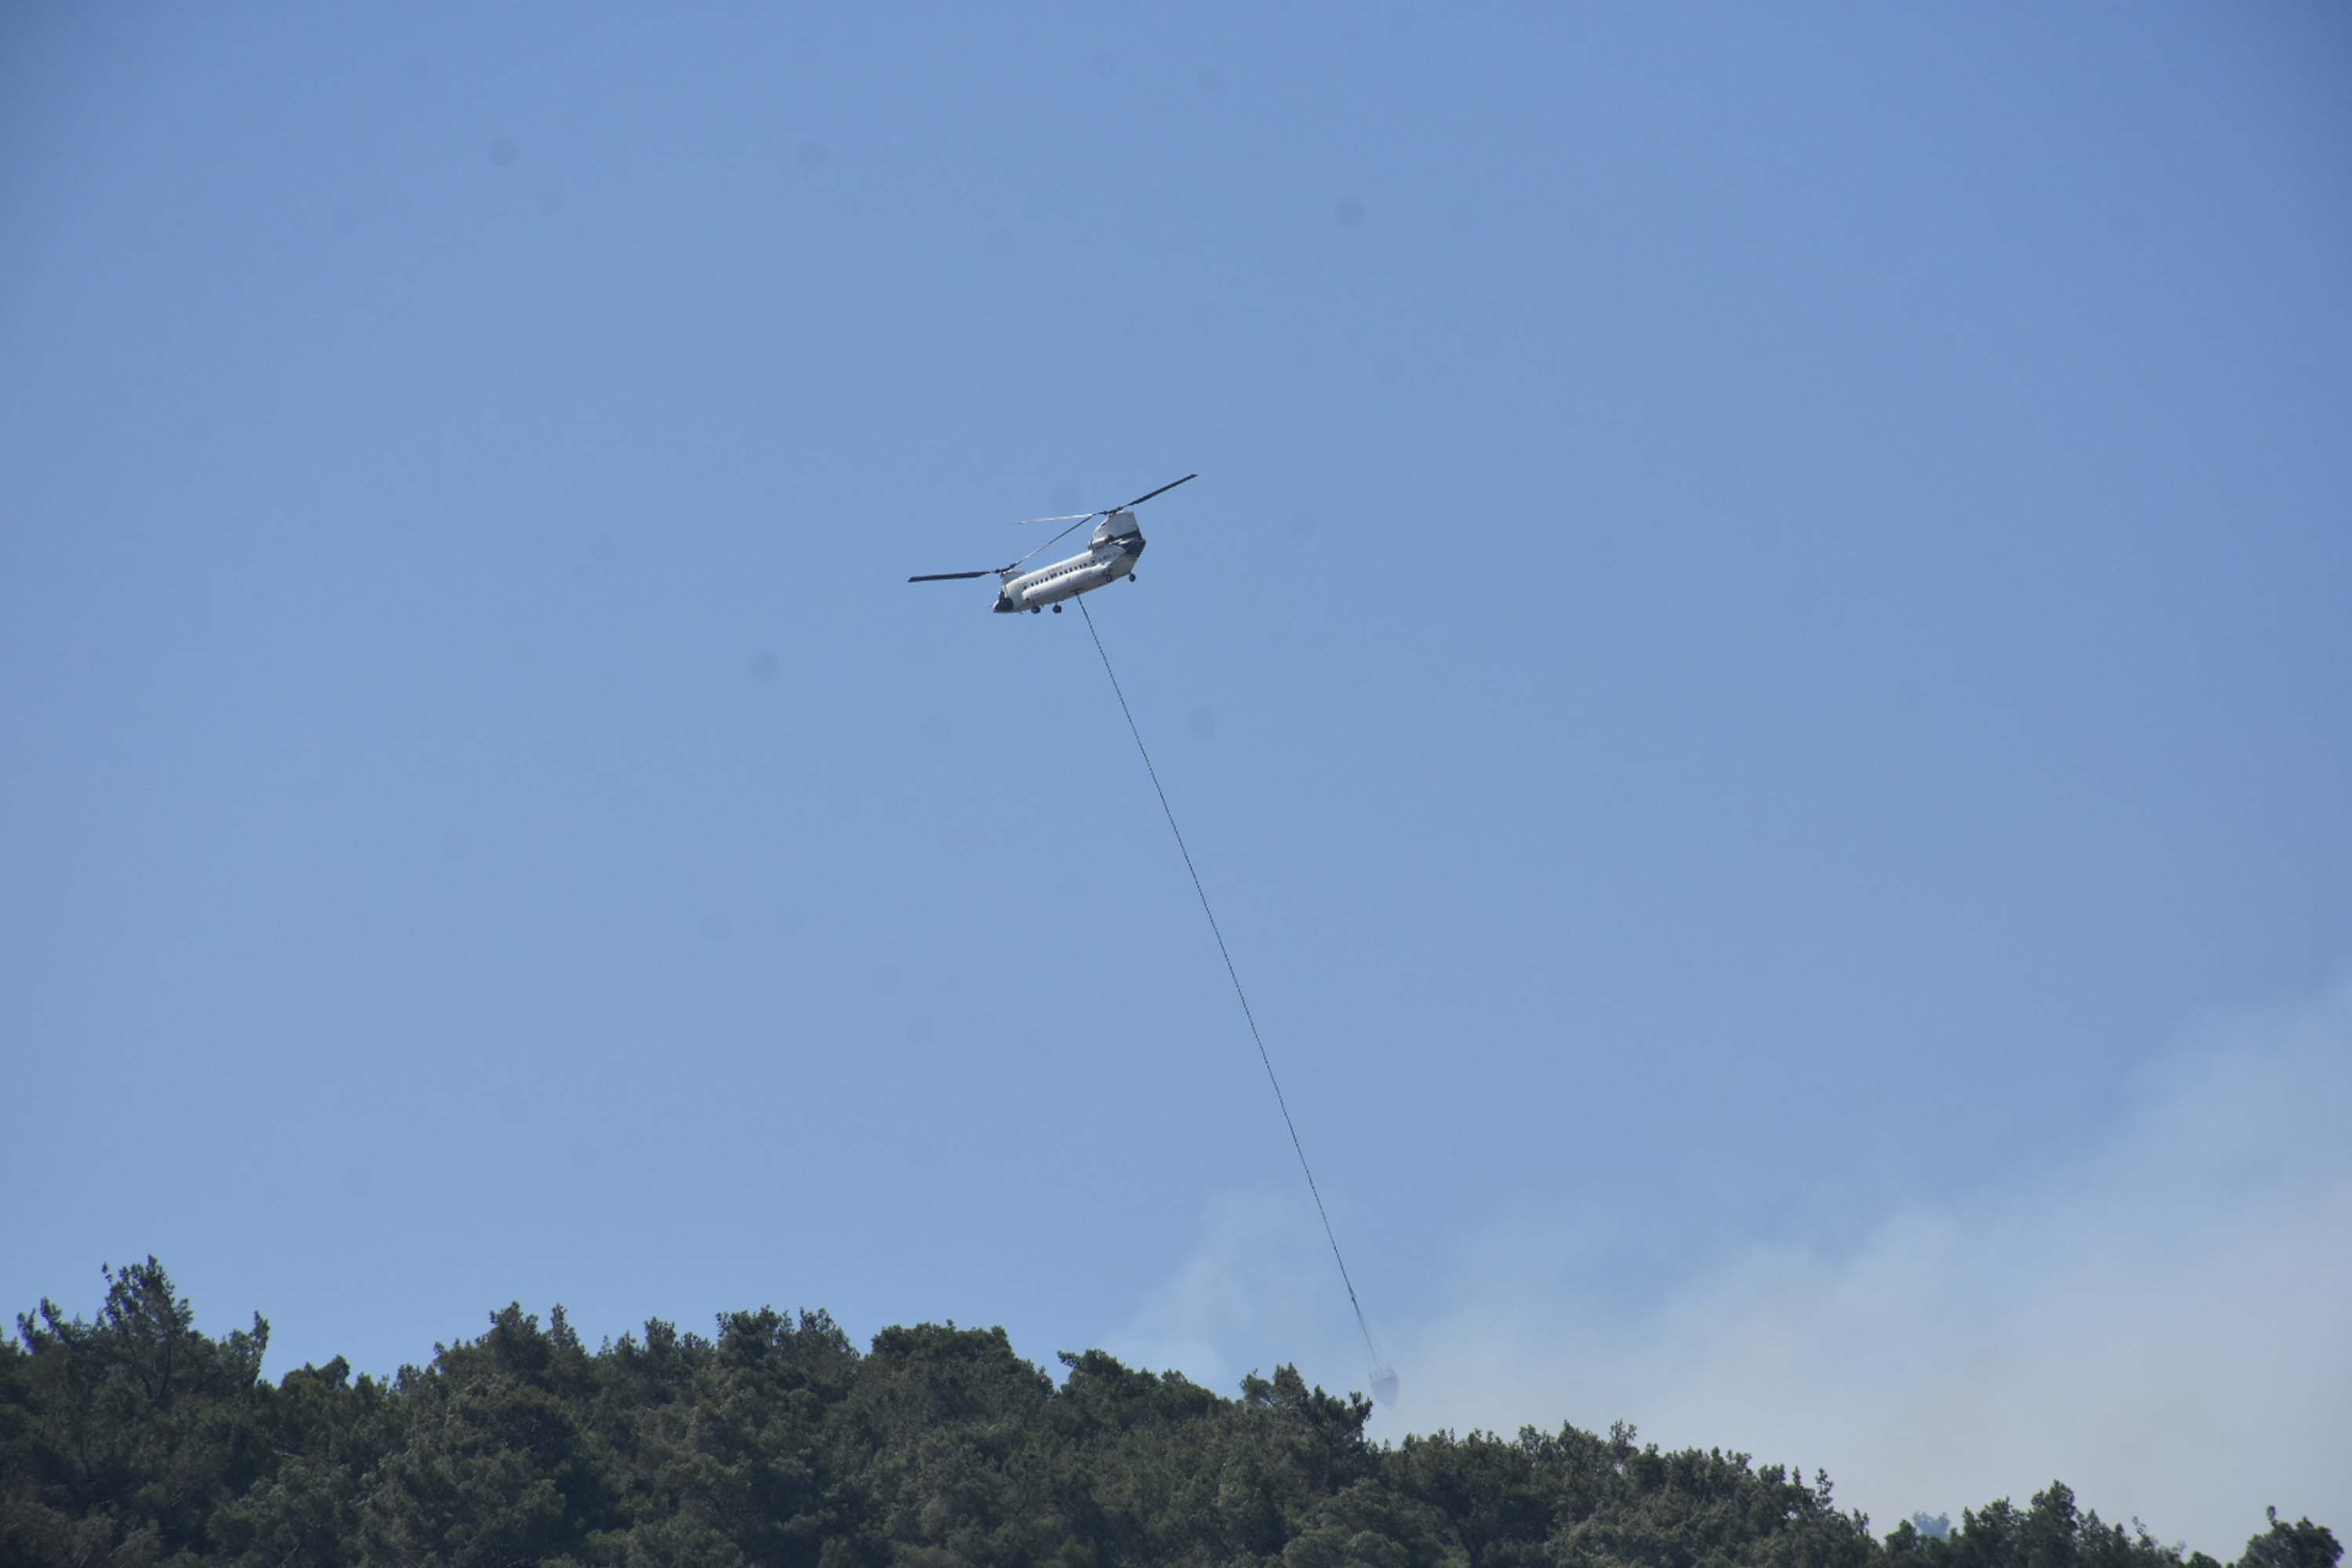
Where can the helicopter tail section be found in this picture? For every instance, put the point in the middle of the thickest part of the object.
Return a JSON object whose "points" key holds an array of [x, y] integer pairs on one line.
{"points": [[1119, 525]]}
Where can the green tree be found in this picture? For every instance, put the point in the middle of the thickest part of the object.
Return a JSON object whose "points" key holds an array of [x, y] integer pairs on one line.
{"points": [[2301, 1544], [496, 1463], [1487, 1490], [127, 1432], [134, 1439]]}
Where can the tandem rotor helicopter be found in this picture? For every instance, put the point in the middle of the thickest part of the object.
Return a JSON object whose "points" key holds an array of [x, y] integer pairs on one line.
{"points": [[1109, 555]]}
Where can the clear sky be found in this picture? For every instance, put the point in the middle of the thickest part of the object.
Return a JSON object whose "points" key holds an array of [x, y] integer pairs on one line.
{"points": [[1757, 669]]}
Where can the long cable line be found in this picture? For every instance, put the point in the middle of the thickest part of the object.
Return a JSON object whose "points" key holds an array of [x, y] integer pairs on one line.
{"points": [[1234, 976]]}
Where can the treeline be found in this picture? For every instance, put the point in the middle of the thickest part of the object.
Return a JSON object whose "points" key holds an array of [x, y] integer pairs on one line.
{"points": [[134, 1439]]}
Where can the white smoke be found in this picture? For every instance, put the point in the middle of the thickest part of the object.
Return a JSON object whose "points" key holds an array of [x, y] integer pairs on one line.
{"points": [[2163, 1321]]}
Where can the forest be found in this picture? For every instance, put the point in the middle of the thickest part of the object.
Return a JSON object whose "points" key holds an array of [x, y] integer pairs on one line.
{"points": [[132, 1438]]}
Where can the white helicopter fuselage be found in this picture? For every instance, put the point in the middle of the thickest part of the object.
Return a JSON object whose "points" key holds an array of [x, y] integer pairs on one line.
{"points": [[1108, 556]]}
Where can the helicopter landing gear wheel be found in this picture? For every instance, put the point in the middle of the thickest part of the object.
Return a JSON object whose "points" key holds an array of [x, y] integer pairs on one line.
{"points": [[1130, 576], [1034, 610], [1057, 609]]}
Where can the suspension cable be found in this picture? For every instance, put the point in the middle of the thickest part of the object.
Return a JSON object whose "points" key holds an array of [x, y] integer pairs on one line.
{"points": [[1234, 976]]}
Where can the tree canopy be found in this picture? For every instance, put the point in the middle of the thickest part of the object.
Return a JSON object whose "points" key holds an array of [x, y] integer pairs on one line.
{"points": [[135, 1439]]}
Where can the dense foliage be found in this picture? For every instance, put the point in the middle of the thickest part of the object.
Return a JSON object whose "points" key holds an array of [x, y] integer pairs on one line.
{"points": [[135, 1439]]}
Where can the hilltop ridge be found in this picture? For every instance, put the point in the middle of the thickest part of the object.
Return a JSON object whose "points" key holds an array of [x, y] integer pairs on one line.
{"points": [[135, 1439]]}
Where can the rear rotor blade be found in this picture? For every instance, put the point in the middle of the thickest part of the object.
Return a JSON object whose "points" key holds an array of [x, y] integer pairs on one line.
{"points": [[1065, 533], [950, 576], [1077, 519], [1083, 516], [1160, 491]]}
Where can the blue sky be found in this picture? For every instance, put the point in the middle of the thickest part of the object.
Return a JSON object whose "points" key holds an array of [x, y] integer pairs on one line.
{"points": [[1757, 669]]}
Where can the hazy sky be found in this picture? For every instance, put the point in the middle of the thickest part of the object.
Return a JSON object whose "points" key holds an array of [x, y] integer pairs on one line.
{"points": [[1758, 669]]}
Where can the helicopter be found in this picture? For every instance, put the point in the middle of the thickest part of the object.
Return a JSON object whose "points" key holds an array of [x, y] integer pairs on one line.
{"points": [[1109, 555]]}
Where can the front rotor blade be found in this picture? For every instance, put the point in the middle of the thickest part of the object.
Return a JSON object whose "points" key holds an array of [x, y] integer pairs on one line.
{"points": [[1065, 517], [1162, 490], [949, 576]]}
